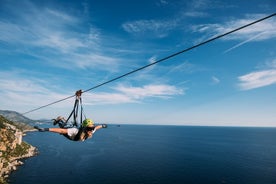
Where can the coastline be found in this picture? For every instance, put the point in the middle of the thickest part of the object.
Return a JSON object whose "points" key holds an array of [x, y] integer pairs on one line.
{"points": [[13, 150], [15, 162]]}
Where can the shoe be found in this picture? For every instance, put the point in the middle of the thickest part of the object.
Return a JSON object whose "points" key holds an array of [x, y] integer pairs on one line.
{"points": [[57, 120], [60, 118], [54, 122]]}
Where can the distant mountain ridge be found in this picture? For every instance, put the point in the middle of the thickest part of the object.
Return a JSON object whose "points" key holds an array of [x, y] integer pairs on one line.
{"points": [[16, 117]]}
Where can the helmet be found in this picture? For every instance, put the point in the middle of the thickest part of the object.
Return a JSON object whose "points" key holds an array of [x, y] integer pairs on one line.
{"points": [[87, 122]]}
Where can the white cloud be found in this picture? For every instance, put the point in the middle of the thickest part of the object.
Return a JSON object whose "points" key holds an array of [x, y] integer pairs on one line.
{"points": [[257, 79], [152, 59], [61, 16], [107, 98], [271, 64], [161, 91], [199, 4], [90, 61], [55, 38], [156, 28], [195, 14], [126, 94], [21, 86], [40, 27], [30, 92], [215, 80], [21, 94], [17, 81], [264, 30], [267, 27], [185, 67], [244, 42], [60, 41], [164, 2]]}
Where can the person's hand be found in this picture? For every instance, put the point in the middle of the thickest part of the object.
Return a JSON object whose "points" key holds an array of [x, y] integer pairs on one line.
{"points": [[104, 125]]}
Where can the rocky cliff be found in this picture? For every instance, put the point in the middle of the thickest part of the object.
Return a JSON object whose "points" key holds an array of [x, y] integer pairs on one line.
{"points": [[12, 148]]}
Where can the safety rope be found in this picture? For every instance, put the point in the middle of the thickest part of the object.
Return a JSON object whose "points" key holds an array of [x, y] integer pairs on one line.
{"points": [[158, 61]]}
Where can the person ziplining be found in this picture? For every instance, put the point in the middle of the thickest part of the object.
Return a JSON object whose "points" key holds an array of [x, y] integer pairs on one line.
{"points": [[78, 130]]}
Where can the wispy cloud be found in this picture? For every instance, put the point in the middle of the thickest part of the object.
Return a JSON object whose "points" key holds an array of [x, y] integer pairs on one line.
{"points": [[258, 79], [264, 30], [244, 42], [163, 27], [47, 33], [23, 93], [92, 60], [163, 2], [266, 27], [185, 67], [130, 94], [31, 92], [40, 27], [215, 80], [156, 28], [160, 91], [195, 14]]}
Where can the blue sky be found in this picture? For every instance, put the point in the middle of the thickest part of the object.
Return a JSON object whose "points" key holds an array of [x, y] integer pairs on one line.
{"points": [[49, 49]]}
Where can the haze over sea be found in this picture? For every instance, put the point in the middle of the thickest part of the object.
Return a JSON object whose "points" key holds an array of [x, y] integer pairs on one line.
{"points": [[132, 154]]}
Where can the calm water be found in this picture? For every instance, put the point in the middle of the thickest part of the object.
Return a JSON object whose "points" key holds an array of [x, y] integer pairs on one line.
{"points": [[133, 154]]}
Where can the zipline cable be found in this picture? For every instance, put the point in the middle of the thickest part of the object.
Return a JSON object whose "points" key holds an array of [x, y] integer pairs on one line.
{"points": [[158, 61]]}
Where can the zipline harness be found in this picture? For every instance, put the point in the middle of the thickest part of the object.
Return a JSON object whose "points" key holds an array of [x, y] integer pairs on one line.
{"points": [[75, 111], [77, 118]]}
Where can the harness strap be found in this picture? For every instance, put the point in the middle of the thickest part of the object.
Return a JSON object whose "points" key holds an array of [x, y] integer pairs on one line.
{"points": [[75, 110], [74, 113]]}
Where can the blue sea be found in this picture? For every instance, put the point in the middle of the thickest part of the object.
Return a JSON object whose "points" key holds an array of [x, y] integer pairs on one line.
{"points": [[151, 154]]}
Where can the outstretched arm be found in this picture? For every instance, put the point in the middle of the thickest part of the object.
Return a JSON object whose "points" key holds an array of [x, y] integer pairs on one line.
{"points": [[100, 126], [56, 130]]}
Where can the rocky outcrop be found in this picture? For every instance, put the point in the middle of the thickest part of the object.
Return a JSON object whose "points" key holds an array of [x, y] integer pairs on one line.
{"points": [[12, 148]]}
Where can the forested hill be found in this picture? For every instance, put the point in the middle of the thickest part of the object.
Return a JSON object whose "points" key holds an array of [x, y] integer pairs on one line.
{"points": [[20, 121]]}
